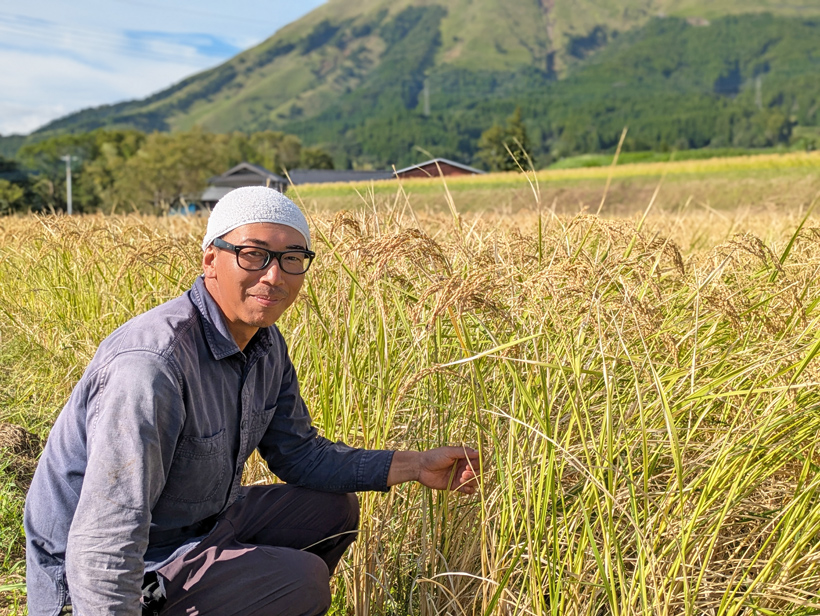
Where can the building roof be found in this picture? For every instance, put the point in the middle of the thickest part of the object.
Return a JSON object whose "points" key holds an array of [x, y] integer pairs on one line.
{"points": [[246, 174], [433, 162], [215, 193], [324, 176]]}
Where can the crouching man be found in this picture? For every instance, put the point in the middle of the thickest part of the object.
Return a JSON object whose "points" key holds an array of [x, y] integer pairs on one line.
{"points": [[136, 506]]}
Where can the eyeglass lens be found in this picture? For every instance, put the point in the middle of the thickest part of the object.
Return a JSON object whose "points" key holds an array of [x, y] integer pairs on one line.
{"points": [[295, 262]]}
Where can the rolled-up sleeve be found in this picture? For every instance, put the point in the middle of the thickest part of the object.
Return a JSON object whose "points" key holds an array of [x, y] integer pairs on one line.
{"points": [[297, 454], [132, 425]]}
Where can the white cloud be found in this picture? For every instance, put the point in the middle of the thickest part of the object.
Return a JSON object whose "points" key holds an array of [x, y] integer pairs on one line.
{"points": [[58, 57], [42, 88], [16, 118]]}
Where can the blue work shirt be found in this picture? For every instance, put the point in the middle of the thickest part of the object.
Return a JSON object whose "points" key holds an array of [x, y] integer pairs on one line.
{"points": [[150, 448]]}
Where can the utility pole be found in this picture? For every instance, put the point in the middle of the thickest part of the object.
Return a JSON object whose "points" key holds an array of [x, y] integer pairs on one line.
{"points": [[67, 160]]}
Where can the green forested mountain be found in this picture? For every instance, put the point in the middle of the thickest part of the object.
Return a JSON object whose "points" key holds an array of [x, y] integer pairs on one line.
{"points": [[376, 82]]}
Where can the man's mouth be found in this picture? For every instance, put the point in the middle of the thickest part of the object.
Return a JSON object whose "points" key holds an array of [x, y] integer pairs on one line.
{"points": [[267, 300]]}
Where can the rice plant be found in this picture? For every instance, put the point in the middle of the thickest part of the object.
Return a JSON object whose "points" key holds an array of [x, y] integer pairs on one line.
{"points": [[643, 394]]}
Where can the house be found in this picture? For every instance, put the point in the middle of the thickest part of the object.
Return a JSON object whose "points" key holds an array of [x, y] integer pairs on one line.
{"points": [[435, 168], [243, 174], [247, 174]]}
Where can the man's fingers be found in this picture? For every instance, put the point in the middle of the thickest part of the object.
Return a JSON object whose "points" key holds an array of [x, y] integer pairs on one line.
{"points": [[462, 451], [468, 482], [468, 487], [468, 478]]}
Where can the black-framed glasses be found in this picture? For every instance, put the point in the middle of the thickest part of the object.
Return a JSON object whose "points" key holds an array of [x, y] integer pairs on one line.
{"points": [[255, 258]]}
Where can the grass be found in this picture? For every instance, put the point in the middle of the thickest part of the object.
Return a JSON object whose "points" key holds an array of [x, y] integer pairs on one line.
{"points": [[643, 392], [12, 538]]}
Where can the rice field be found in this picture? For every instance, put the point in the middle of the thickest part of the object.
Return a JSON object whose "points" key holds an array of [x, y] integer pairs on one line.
{"points": [[763, 182], [643, 392]]}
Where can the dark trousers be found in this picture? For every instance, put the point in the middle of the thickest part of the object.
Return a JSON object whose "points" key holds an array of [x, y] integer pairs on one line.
{"points": [[271, 553]]}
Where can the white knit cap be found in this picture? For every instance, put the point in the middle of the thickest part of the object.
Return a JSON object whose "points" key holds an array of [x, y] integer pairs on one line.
{"points": [[250, 204]]}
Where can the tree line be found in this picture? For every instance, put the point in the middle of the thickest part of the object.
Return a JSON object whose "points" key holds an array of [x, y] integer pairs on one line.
{"points": [[125, 170]]}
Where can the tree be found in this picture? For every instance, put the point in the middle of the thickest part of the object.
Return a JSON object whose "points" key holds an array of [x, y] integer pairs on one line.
{"points": [[95, 158], [44, 160], [13, 186], [11, 197], [279, 152], [273, 150], [517, 140], [579, 135], [315, 158], [505, 148], [99, 175], [169, 168], [491, 150]]}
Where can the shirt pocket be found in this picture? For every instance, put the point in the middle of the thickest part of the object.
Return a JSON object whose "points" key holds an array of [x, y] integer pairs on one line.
{"points": [[198, 468], [260, 419]]}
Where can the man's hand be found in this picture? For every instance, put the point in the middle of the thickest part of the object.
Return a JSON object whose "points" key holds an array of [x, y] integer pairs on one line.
{"points": [[444, 468]]}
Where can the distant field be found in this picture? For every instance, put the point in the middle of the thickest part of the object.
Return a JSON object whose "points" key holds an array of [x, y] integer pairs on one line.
{"points": [[758, 182], [627, 158], [643, 391]]}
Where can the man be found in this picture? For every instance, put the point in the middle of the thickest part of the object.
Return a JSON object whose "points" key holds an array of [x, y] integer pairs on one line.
{"points": [[136, 504]]}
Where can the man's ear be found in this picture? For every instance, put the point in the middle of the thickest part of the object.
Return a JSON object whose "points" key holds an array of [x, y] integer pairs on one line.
{"points": [[209, 262]]}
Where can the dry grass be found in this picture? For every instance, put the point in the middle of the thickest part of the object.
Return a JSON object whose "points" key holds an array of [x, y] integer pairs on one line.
{"points": [[22, 449]]}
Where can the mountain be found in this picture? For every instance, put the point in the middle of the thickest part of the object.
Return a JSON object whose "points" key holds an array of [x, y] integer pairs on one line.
{"points": [[375, 81]]}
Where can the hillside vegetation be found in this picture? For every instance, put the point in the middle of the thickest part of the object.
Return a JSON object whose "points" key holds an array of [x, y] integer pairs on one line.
{"points": [[356, 78]]}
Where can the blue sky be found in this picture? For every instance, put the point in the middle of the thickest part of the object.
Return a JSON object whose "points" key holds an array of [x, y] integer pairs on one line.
{"points": [[59, 56]]}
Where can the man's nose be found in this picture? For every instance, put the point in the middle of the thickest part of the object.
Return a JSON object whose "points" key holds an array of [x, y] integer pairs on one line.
{"points": [[273, 274]]}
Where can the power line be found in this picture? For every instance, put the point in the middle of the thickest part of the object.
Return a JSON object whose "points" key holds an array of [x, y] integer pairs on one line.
{"points": [[43, 29], [189, 11], [90, 47], [80, 39]]}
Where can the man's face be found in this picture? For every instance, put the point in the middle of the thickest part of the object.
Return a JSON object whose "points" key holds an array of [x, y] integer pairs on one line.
{"points": [[250, 300]]}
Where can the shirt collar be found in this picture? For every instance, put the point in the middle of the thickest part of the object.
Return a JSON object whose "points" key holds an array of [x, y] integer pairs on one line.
{"points": [[217, 334]]}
